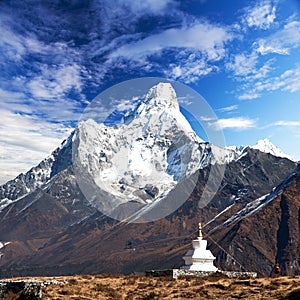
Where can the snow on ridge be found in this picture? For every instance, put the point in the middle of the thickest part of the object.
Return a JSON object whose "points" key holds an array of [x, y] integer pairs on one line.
{"points": [[260, 202], [3, 244], [266, 146], [162, 97]]}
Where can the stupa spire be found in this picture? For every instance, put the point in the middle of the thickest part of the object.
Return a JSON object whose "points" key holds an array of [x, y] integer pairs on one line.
{"points": [[200, 230]]}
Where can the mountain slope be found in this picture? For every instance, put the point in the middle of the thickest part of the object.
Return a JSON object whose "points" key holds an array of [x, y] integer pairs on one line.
{"points": [[265, 232]]}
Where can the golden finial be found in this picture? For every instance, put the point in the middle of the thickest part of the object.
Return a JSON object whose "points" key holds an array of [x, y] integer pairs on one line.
{"points": [[200, 229]]}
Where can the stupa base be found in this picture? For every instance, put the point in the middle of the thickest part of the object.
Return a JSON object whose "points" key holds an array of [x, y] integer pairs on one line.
{"points": [[231, 274]]}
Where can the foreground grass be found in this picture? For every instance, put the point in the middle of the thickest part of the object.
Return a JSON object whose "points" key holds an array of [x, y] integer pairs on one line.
{"points": [[145, 288]]}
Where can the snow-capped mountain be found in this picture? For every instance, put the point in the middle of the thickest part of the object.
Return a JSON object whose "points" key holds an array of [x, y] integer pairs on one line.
{"points": [[267, 147], [144, 159], [145, 162], [141, 160]]}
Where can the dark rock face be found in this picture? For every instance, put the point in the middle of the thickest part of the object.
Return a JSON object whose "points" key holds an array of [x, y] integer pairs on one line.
{"points": [[22, 290], [54, 231]]}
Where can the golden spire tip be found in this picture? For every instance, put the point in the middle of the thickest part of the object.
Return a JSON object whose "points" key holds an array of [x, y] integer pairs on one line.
{"points": [[200, 229]]}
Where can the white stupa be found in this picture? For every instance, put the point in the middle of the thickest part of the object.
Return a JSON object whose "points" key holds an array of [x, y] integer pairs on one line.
{"points": [[200, 258]]}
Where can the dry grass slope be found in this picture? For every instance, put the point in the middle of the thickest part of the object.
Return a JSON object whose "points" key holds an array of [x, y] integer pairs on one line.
{"points": [[145, 288]]}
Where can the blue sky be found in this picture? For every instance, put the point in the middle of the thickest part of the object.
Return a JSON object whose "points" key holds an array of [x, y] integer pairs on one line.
{"points": [[56, 56]]}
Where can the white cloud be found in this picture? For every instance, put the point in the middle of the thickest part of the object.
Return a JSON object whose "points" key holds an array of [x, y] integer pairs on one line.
{"points": [[194, 48], [207, 119], [186, 101], [122, 15], [249, 96], [228, 108], [55, 81], [239, 123], [287, 123], [282, 41], [190, 70], [246, 67], [261, 16], [156, 7], [61, 109], [263, 47], [242, 64], [204, 37], [287, 81], [125, 105], [25, 141], [13, 44]]}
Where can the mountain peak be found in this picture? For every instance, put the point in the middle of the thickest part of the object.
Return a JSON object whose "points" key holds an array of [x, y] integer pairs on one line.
{"points": [[265, 145], [161, 96], [165, 92], [159, 102]]}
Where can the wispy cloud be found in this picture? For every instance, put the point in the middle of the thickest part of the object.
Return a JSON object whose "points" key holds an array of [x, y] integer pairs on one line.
{"points": [[190, 70], [287, 123], [156, 7], [239, 123], [247, 67], [228, 108], [25, 141], [207, 38], [289, 127], [287, 81], [280, 42], [56, 81], [249, 96], [242, 64], [258, 73], [260, 16], [186, 101], [62, 109], [194, 50]]}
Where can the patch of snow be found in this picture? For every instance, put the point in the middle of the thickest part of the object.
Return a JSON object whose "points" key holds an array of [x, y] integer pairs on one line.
{"points": [[3, 244], [224, 155], [242, 155], [218, 215], [4, 203]]}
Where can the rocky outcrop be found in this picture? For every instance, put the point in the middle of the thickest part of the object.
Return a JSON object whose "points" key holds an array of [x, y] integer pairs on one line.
{"points": [[22, 290]]}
